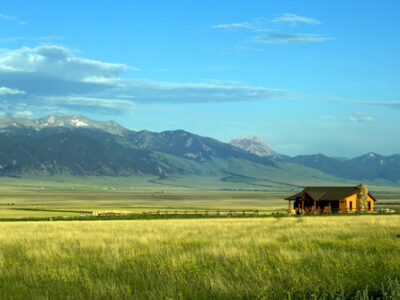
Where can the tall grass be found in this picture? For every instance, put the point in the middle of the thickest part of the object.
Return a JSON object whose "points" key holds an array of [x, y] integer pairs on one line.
{"points": [[202, 258]]}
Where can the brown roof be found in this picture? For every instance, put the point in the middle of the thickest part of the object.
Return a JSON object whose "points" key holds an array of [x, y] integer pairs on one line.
{"points": [[327, 193]]}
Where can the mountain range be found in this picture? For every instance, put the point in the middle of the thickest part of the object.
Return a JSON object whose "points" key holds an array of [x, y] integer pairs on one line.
{"points": [[370, 166], [76, 145]]}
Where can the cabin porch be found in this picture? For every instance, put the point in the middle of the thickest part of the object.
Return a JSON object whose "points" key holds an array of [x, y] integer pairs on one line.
{"points": [[309, 206]]}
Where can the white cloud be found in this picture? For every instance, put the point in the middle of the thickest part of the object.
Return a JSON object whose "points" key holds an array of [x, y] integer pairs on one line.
{"points": [[102, 80], [293, 19], [352, 119], [276, 37], [8, 91], [53, 77], [7, 18], [24, 114], [361, 119], [69, 105], [100, 105], [289, 38], [232, 26], [388, 104], [328, 118], [146, 91], [57, 61], [41, 39], [369, 119], [11, 18]]}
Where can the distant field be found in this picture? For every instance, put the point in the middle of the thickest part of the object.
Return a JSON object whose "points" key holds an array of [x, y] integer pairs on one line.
{"points": [[278, 258], [50, 203], [71, 196]]}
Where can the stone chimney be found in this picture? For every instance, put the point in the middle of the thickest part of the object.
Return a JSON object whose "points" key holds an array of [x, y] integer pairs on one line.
{"points": [[362, 198]]}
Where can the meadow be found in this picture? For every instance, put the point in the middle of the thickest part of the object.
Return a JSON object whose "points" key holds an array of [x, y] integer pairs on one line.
{"points": [[259, 257], [268, 258]]}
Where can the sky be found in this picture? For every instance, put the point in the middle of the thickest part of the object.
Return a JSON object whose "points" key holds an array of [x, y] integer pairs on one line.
{"points": [[305, 76]]}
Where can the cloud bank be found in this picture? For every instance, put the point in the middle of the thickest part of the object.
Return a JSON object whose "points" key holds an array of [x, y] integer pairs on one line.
{"points": [[55, 79]]}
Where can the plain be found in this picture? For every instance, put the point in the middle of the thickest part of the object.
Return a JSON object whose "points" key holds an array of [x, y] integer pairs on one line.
{"points": [[201, 259], [273, 257]]}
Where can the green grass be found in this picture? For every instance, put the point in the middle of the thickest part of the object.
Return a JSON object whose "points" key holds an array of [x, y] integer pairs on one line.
{"points": [[200, 259]]}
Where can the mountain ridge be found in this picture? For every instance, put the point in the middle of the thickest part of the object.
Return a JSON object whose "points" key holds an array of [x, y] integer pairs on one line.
{"points": [[80, 146], [72, 121]]}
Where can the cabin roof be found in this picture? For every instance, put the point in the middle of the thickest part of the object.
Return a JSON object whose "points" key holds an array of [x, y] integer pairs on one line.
{"points": [[327, 193]]}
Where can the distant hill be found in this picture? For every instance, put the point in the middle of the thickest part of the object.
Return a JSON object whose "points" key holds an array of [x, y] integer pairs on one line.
{"points": [[331, 166], [78, 146], [370, 166], [375, 165]]}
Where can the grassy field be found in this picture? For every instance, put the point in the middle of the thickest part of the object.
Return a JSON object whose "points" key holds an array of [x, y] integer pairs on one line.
{"points": [[267, 258], [339, 257]]}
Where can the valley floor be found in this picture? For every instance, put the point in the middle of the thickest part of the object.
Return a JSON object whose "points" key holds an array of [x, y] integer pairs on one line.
{"points": [[73, 196]]}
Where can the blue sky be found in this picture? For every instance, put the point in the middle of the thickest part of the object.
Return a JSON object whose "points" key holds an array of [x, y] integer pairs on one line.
{"points": [[305, 78]]}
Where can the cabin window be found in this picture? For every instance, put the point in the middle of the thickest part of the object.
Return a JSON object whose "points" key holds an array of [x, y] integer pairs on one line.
{"points": [[351, 205], [369, 205]]}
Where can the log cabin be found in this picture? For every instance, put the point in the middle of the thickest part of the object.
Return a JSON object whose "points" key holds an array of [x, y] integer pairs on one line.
{"points": [[333, 199]]}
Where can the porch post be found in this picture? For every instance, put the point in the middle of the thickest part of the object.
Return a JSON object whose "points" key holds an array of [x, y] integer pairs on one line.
{"points": [[289, 204]]}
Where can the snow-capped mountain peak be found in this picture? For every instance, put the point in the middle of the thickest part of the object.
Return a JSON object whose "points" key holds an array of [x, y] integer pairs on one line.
{"points": [[78, 123], [253, 145], [73, 121]]}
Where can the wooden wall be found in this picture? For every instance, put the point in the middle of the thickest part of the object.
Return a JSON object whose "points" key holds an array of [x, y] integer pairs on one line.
{"points": [[345, 204]]}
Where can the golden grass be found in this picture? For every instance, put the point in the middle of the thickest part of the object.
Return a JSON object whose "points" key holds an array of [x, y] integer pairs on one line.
{"points": [[199, 259]]}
